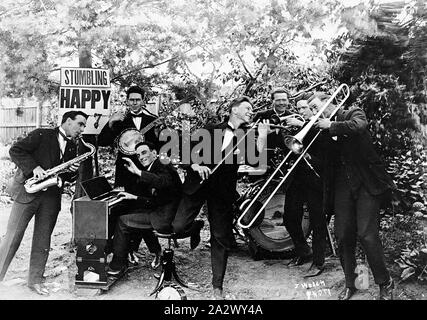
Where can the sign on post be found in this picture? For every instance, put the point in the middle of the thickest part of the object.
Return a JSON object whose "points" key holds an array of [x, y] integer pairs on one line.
{"points": [[88, 90]]}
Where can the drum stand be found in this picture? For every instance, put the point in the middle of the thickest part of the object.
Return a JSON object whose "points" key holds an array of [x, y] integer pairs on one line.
{"points": [[168, 265]]}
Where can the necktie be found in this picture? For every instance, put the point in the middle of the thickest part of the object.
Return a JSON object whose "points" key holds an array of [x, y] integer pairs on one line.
{"points": [[67, 142]]}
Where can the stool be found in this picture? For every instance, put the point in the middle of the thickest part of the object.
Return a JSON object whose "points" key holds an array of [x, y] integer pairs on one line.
{"points": [[167, 263]]}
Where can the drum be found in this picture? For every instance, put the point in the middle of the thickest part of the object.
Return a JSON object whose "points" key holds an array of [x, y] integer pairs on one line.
{"points": [[268, 236], [171, 292]]}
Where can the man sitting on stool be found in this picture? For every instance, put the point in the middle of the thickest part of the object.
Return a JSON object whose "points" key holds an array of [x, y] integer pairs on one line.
{"points": [[154, 207]]}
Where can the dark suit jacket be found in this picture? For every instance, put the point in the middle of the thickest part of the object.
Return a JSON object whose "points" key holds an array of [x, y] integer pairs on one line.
{"points": [[39, 148], [357, 151], [107, 137], [222, 183], [159, 186], [274, 139]]}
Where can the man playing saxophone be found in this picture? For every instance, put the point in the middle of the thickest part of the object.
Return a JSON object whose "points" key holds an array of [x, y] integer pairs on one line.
{"points": [[41, 150]]}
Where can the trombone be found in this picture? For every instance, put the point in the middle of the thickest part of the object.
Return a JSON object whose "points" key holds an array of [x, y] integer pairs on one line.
{"points": [[294, 143]]}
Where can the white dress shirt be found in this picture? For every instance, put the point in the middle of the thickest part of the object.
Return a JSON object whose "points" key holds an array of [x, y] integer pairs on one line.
{"points": [[62, 142], [228, 136], [137, 121]]}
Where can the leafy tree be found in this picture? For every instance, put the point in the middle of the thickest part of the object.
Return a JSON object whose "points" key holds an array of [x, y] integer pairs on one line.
{"points": [[386, 72]]}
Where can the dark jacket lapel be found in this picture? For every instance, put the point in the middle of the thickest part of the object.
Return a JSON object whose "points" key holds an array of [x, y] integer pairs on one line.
{"points": [[55, 153]]}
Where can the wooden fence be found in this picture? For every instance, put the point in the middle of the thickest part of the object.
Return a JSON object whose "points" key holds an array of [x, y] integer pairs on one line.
{"points": [[16, 121]]}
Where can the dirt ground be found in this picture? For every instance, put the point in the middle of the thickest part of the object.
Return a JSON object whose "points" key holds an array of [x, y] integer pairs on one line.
{"points": [[245, 278]]}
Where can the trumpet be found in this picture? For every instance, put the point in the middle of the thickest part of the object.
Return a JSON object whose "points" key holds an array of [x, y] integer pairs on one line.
{"points": [[276, 122], [285, 118], [294, 143], [272, 126]]}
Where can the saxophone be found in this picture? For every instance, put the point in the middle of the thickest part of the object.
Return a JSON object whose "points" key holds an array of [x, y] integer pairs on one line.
{"points": [[33, 184]]}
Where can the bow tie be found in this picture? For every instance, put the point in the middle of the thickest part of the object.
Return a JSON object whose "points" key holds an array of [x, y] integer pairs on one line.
{"points": [[139, 115], [230, 128]]}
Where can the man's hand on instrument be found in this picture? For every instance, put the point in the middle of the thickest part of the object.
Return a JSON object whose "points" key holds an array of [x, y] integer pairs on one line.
{"points": [[127, 196], [39, 172], [116, 116], [74, 167], [203, 171], [60, 182], [132, 167], [293, 122], [323, 124], [264, 128]]}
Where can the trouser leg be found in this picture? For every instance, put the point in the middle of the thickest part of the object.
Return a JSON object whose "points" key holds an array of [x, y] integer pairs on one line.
{"points": [[19, 218], [292, 218], [120, 245], [135, 241], [220, 217], [127, 231], [150, 240], [44, 223], [368, 208], [115, 213], [318, 225], [188, 209], [345, 231]]}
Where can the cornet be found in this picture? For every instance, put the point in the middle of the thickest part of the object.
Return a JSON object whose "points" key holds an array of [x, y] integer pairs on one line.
{"points": [[276, 122]]}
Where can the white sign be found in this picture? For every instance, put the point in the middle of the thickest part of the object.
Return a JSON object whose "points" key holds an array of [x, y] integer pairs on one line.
{"points": [[87, 90]]}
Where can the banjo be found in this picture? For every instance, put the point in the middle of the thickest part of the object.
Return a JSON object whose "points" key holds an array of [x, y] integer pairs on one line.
{"points": [[129, 138]]}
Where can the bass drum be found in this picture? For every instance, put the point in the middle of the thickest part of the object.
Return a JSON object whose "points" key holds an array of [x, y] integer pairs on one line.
{"points": [[268, 237]]}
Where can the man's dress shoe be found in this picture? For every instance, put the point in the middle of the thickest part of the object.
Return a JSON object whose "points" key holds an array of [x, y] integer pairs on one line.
{"points": [[347, 293], [133, 260], [40, 289], [299, 261], [386, 290], [314, 271], [156, 261], [218, 294], [116, 272]]}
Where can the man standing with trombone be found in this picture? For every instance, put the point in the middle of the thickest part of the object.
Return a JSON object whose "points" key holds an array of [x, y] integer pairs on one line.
{"points": [[361, 182]]}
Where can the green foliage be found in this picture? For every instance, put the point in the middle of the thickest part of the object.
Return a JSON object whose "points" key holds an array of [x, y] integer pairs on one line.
{"points": [[404, 242], [380, 70], [386, 71], [410, 174], [130, 38]]}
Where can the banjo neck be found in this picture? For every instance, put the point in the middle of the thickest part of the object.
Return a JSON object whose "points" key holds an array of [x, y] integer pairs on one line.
{"points": [[150, 125]]}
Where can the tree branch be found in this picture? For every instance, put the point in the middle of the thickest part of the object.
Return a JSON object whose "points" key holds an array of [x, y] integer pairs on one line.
{"points": [[244, 66]]}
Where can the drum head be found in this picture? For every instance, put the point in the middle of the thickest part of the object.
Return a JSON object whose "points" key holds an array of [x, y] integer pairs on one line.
{"points": [[270, 234], [171, 292], [128, 139]]}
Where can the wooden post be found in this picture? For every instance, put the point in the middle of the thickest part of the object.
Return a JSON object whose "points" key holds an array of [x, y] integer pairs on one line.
{"points": [[39, 113], [86, 169]]}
